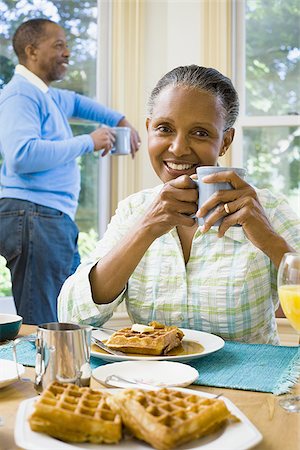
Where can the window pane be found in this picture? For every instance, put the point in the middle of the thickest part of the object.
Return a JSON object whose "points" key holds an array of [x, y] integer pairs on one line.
{"points": [[272, 57], [272, 159], [87, 213], [79, 19]]}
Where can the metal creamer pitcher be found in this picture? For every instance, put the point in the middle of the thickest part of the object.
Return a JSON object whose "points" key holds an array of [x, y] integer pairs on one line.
{"points": [[62, 354]]}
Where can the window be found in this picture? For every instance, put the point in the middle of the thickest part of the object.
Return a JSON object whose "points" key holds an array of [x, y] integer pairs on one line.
{"points": [[79, 19], [268, 80]]}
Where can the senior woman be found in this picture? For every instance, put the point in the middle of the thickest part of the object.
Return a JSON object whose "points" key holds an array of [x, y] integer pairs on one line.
{"points": [[156, 257]]}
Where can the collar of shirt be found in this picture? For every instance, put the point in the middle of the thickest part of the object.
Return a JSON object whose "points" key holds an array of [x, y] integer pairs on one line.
{"points": [[234, 233], [31, 77]]}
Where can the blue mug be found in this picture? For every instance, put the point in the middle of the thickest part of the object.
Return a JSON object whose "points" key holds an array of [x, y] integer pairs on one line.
{"points": [[206, 190], [122, 142]]}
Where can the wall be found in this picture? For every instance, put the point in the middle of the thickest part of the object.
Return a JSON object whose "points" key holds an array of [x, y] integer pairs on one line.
{"points": [[150, 38], [172, 38]]}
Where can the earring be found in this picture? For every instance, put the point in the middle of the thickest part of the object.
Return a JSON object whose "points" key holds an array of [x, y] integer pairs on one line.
{"points": [[221, 154]]}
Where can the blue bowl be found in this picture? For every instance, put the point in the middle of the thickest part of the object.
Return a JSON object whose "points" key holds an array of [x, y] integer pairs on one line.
{"points": [[10, 325]]}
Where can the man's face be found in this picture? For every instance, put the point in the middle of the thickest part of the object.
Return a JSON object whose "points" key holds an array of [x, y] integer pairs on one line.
{"points": [[50, 58]]}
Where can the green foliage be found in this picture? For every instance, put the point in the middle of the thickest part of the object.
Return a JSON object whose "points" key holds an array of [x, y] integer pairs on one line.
{"points": [[273, 153], [272, 57], [87, 213], [6, 70], [87, 242], [5, 284], [79, 20]]}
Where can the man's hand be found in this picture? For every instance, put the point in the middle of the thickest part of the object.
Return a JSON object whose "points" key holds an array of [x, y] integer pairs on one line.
{"points": [[103, 139], [135, 140]]}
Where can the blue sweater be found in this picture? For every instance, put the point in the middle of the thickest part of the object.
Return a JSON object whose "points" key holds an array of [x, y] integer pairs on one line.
{"points": [[38, 146]]}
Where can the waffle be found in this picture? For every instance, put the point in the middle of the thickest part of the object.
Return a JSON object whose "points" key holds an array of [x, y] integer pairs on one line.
{"points": [[75, 414], [157, 342], [167, 418]]}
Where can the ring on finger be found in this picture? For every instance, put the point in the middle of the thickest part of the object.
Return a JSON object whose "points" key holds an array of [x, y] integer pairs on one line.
{"points": [[226, 207]]}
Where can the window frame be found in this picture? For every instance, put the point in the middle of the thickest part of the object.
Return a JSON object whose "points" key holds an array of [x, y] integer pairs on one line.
{"points": [[239, 71], [103, 95]]}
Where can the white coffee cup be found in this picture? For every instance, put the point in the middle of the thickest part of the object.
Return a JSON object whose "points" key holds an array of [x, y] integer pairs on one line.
{"points": [[122, 142]]}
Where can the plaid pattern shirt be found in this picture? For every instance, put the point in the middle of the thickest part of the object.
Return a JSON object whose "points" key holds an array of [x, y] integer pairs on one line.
{"points": [[228, 286]]}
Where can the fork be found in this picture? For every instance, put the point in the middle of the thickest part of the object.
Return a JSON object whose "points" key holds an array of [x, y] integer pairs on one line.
{"points": [[112, 378], [106, 348]]}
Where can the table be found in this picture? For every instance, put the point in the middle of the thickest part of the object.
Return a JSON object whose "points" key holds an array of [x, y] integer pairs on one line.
{"points": [[280, 429]]}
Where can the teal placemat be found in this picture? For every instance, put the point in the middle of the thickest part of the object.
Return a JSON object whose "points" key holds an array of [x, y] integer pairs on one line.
{"points": [[252, 367]]}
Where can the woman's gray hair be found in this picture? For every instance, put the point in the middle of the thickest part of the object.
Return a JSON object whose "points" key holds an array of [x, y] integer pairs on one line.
{"points": [[204, 79]]}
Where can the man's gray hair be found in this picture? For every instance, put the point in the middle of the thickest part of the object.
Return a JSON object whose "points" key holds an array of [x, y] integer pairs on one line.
{"points": [[28, 33]]}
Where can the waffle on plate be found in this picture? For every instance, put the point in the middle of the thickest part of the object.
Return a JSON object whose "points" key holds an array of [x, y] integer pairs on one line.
{"points": [[168, 418], [157, 339], [75, 414]]}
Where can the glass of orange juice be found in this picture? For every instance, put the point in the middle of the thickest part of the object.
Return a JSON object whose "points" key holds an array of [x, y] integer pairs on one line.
{"points": [[288, 284]]}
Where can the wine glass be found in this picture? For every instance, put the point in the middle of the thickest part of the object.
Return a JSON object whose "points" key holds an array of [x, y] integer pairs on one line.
{"points": [[288, 283]]}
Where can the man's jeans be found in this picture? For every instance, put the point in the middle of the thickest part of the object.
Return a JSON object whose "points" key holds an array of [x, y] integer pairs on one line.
{"points": [[40, 247]]}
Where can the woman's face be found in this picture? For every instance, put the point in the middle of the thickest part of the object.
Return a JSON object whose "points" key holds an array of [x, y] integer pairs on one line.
{"points": [[185, 132]]}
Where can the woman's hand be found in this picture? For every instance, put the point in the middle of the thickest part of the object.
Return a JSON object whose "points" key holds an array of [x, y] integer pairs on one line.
{"points": [[174, 205], [176, 201], [241, 206]]}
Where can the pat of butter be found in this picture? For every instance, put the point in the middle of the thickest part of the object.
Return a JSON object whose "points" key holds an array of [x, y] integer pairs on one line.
{"points": [[139, 328]]}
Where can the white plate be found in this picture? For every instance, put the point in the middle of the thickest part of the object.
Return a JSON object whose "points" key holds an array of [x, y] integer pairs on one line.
{"points": [[157, 373], [210, 342], [235, 436], [8, 372]]}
